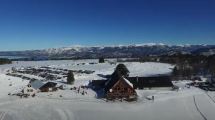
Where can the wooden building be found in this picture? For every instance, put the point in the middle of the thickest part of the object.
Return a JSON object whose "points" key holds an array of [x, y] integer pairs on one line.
{"points": [[43, 87], [124, 88], [120, 89], [48, 87]]}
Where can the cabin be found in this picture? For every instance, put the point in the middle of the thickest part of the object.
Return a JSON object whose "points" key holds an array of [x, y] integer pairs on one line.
{"points": [[43, 87], [48, 87], [120, 89]]}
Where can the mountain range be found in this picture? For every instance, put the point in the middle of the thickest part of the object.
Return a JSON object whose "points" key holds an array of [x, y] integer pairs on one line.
{"points": [[136, 50]]}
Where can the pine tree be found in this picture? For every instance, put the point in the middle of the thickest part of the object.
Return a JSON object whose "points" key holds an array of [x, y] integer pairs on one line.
{"points": [[175, 71], [70, 78], [101, 60], [121, 70]]}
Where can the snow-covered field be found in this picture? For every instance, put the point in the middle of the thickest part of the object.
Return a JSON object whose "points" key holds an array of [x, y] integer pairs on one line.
{"points": [[185, 104]]}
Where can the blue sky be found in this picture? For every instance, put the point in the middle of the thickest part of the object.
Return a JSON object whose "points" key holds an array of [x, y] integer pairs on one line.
{"points": [[38, 24]]}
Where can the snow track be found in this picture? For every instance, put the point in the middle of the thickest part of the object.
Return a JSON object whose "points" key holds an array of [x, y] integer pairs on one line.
{"points": [[210, 97], [205, 106], [197, 108], [2, 115]]}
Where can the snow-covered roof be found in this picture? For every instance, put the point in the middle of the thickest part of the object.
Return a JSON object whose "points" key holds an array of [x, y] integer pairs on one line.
{"points": [[127, 81], [37, 84]]}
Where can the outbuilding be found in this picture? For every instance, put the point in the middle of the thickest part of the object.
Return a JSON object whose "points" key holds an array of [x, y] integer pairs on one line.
{"points": [[43, 87]]}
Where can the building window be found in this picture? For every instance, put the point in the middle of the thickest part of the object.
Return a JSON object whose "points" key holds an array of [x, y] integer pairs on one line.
{"points": [[118, 88], [125, 89]]}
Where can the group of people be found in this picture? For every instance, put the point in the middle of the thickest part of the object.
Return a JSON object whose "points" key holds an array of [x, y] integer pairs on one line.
{"points": [[80, 89]]}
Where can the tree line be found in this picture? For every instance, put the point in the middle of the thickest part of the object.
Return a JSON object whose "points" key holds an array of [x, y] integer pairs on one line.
{"points": [[186, 65], [5, 61]]}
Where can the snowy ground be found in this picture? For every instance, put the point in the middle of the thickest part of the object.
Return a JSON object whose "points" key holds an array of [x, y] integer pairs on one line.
{"points": [[185, 104]]}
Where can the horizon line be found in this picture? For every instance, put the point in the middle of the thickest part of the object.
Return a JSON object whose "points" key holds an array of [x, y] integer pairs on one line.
{"points": [[113, 45]]}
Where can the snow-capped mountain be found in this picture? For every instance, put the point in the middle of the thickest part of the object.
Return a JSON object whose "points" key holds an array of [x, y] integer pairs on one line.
{"points": [[136, 50]]}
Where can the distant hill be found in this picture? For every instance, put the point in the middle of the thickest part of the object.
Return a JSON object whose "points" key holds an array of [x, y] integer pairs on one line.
{"points": [[114, 51]]}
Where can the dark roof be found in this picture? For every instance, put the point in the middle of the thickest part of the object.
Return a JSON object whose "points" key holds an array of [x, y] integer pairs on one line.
{"points": [[48, 85], [156, 81], [109, 84], [100, 83], [138, 82]]}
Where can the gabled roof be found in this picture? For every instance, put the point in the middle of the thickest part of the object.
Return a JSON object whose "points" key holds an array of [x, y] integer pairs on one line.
{"points": [[49, 85], [110, 83], [127, 81]]}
